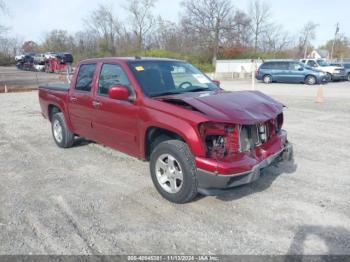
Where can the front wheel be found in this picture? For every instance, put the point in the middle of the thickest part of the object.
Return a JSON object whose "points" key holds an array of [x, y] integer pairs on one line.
{"points": [[173, 171], [329, 76], [310, 80]]}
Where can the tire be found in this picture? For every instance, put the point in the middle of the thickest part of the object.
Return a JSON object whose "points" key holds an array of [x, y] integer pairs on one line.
{"points": [[62, 136], [330, 77], [310, 80], [348, 77], [267, 79], [173, 171]]}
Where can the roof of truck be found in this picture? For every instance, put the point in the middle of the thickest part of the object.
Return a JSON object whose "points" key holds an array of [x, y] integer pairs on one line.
{"points": [[127, 59]]}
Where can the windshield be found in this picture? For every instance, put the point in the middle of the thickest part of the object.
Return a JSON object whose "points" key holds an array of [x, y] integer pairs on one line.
{"points": [[158, 78], [322, 63]]}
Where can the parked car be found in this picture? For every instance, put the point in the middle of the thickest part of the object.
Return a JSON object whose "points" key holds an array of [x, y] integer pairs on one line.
{"points": [[39, 59], [333, 72], [39, 67], [197, 137], [289, 72], [346, 67]]}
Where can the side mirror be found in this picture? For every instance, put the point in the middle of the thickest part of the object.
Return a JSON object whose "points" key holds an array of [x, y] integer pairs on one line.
{"points": [[216, 82], [301, 69], [118, 93]]}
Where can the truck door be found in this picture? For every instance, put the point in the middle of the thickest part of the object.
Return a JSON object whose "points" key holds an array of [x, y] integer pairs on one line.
{"points": [[80, 101], [115, 122]]}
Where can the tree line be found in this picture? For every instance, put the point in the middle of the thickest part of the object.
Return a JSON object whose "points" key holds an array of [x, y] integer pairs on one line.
{"points": [[207, 30]]}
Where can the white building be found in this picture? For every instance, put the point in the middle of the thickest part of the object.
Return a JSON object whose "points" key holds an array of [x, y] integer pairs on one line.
{"points": [[319, 54]]}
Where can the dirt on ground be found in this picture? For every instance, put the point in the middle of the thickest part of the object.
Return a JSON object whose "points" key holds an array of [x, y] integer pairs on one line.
{"points": [[91, 199]]}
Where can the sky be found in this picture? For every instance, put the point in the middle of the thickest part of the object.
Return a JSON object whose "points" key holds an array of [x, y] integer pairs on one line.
{"points": [[31, 19]]}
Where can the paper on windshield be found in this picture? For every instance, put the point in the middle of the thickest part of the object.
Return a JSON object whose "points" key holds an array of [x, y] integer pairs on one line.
{"points": [[201, 78]]}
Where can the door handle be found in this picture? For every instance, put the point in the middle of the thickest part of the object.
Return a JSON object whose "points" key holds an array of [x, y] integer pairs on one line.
{"points": [[96, 104], [73, 99]]}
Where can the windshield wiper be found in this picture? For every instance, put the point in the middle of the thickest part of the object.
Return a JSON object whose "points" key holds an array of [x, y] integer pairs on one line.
{"points": [[198, 89], [166, 93]]}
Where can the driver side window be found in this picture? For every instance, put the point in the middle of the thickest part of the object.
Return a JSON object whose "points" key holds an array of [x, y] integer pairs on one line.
{"points": [[112, 75]]}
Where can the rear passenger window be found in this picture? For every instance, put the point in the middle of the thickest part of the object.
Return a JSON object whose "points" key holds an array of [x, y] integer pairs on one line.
{"points": [[112, 75], [283, 66], [85, 77]]}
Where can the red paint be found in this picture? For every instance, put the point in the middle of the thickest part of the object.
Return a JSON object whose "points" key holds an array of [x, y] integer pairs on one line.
{"points": [[118, 93], [122, 123]]}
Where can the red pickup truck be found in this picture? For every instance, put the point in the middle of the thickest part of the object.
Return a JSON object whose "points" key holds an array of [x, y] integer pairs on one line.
{"points": [[197, 137]]}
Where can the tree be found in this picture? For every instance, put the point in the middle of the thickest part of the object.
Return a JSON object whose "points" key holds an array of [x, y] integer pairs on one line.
{"points": [[106, 26], [208, 20], [307, 34], [29, 47], [275, 39], [341, 47], [142, 19], [2, 10], [260, 17], [58, 40]]}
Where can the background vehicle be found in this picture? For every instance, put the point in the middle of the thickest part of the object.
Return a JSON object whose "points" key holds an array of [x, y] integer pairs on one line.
{"points": [[197, 137], [346, 67], [58, 63], [26, 63], [289, 72], [333, 72]]}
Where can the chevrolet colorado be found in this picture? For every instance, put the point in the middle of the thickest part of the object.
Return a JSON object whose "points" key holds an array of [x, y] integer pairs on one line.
{"points": [[197, 137]]}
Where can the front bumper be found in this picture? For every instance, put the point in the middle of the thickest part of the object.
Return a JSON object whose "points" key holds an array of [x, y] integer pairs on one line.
{"points": [[338, 76], [211, 183]]}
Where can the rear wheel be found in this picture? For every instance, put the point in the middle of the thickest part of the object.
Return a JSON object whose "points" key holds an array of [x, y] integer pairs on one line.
{"points": [[173, 171], [310, 80], [63, 137], [348, 77], [267, 79]]}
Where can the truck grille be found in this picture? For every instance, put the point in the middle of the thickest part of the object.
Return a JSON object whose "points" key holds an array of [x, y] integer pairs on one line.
{"points": [[252, 136]]}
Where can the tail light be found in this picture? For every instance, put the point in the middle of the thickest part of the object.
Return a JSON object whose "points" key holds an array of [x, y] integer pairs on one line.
{"points": [[220, 140], [257, 72]]}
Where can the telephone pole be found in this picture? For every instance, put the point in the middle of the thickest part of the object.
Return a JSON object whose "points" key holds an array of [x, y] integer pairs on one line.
{"points": [[335, 38]]}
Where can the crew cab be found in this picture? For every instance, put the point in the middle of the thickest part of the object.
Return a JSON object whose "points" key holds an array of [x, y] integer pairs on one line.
{"points": [[333, 72], [197, 137]]}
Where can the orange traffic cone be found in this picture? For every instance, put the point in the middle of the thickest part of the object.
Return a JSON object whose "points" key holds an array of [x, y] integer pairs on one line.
{"points": [[319, 96]]}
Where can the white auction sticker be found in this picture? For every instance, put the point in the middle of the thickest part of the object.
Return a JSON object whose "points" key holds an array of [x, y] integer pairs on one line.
{"points": [[201, 78]]}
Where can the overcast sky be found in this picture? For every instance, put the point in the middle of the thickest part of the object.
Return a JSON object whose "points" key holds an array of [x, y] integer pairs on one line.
{"points": [[31, 19]]}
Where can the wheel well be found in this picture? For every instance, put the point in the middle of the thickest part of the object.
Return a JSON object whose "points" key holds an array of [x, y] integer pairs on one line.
{"points": [[53, 110], [155, 136]]}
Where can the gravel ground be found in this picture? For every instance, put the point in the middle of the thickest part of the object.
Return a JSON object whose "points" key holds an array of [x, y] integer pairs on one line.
{"points": [[93, 200]]}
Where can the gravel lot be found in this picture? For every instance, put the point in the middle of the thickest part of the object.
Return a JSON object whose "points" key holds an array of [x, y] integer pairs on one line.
{"points": [[93, 200]]}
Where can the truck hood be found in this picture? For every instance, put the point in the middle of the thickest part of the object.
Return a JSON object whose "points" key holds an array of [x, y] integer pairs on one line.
{"points": [[239, 107], [329, 68]]}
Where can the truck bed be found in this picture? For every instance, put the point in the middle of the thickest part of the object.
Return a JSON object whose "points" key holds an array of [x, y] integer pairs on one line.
{"points": [[55, 87]]}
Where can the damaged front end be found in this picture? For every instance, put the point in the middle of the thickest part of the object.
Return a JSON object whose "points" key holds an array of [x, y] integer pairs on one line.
{"points": [[235, 153]]}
